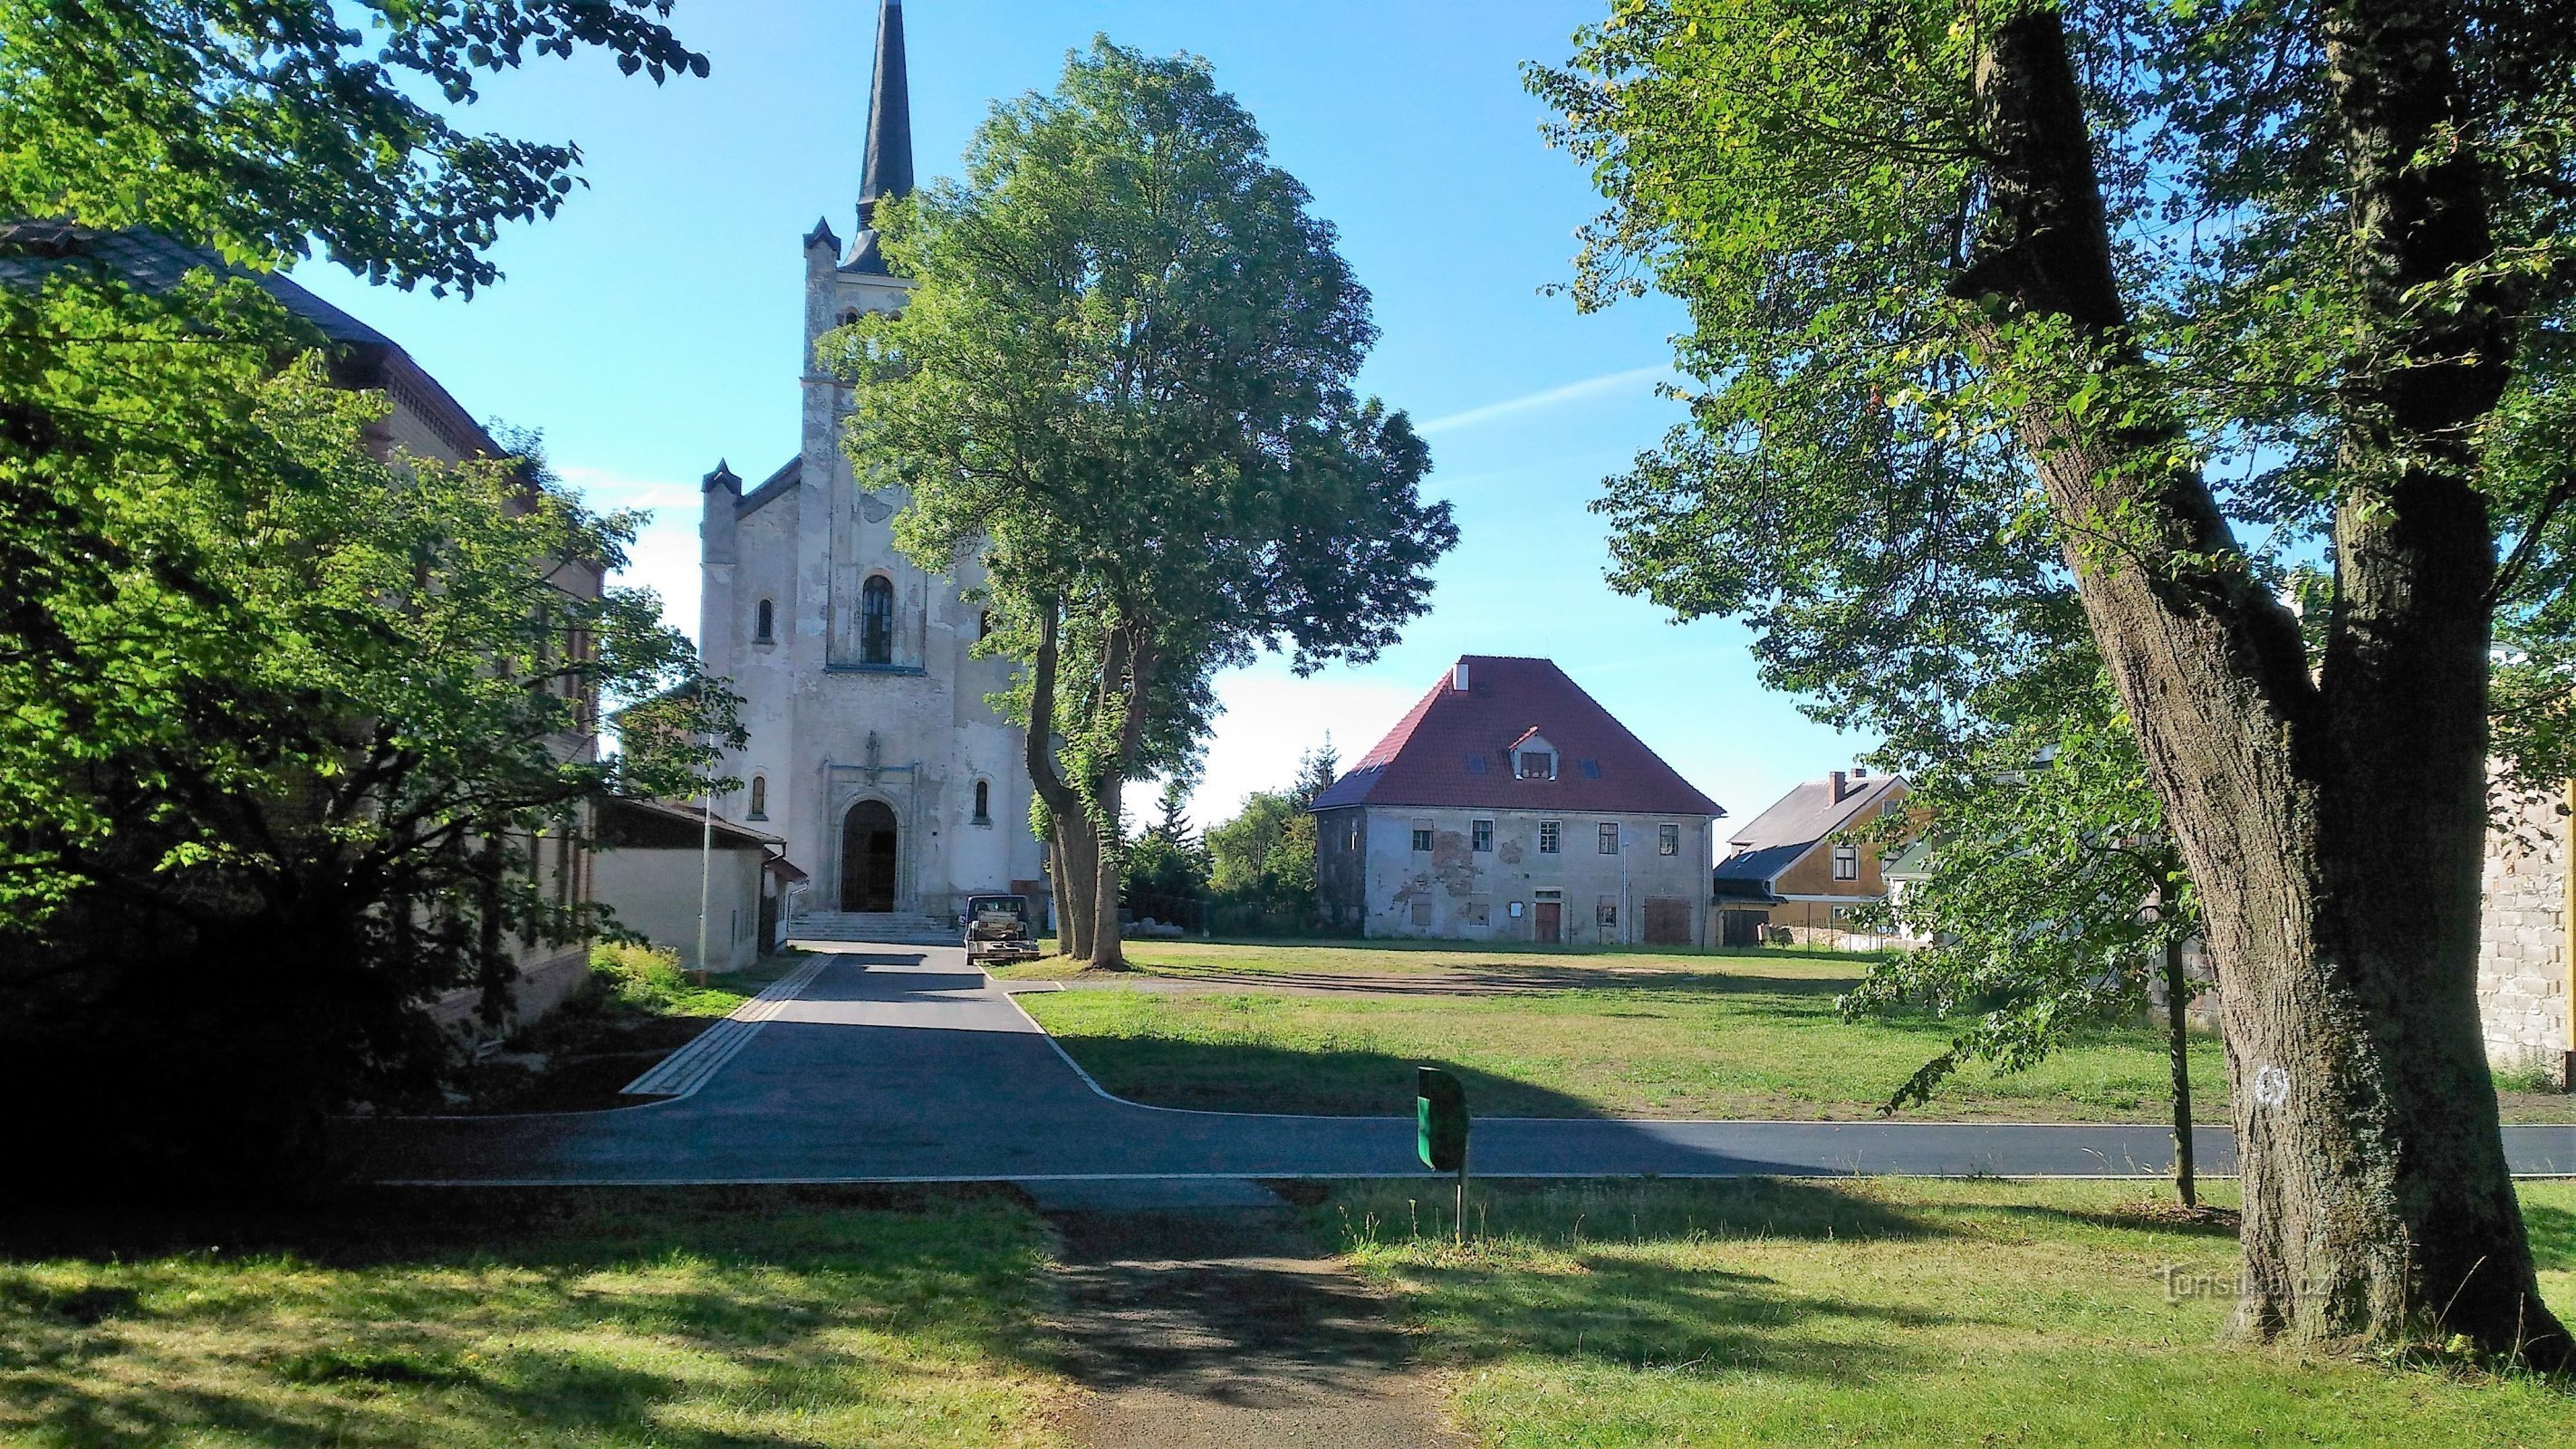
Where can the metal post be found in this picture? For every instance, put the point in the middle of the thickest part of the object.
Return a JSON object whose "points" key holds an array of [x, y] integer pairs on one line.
{"points": [[706, 870]]}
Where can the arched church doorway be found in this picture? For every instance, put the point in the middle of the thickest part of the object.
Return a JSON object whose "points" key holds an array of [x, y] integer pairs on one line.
{"points": [[867, 857]]}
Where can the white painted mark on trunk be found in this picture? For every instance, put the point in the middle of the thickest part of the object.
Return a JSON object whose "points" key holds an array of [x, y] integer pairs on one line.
{"points": [[2271, 1086]]}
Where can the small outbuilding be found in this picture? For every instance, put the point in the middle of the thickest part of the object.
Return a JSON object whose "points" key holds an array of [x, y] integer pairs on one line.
{"points": [[649, 863]]}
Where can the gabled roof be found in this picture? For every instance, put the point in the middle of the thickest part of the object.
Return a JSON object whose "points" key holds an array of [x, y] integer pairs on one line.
{"points": [[1454, 749], [632, 824], [1781, 836], [789, 474], [30, 251]]}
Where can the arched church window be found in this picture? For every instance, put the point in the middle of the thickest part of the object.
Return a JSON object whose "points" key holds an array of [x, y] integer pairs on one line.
{"points": [[984, 801], [849, 316], [759, 797], [984, 625], [876, 620], [764, 623]]}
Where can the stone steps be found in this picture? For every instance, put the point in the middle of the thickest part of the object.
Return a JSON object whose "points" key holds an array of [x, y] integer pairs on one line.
{"points": [[905, 928]]}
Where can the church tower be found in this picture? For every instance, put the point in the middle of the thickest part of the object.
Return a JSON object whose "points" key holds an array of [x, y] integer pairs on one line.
{"points": [[871, 752]]}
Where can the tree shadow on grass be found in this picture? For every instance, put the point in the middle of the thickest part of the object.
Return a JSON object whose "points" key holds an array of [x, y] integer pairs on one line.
{"points": [[1553, 1270], [692, 1318], [1325, 1081]]}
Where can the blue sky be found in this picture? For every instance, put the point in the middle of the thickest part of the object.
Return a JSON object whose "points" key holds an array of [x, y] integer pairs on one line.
{"points": [[652, 327]]}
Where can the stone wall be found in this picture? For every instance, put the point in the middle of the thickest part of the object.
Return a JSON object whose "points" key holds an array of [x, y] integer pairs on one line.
{"points": [[2522, 953]]}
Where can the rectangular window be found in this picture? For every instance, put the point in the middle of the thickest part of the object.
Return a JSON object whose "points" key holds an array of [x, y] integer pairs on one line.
{"points": [[1608, 912], [1480, 837], [1421, 840], [1846, 862], [1547, 837], [1609, 838], [1537, 765], [1480, 910], [1668, 840]]}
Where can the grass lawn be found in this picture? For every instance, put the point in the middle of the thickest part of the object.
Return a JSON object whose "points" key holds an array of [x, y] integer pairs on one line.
{"points": [[1744, 1043], [1885, 1312], [679, 1319], [1179, 958], [1337, 1028]]}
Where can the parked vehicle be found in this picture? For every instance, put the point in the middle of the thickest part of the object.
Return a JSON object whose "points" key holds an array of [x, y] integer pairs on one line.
{"points": [[997, 930]]}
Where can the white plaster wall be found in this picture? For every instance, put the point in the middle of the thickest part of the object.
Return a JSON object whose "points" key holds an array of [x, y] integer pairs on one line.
{"points": [[1453, 876], [811, 708], [655, 893]]}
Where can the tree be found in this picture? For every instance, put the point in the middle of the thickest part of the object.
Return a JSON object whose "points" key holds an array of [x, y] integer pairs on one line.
{"points": [[2082, 333], [304, 794], [2052, 898], [1261, 866], [258, 127], [1123, 382], [1317, 769], [276, 715]]}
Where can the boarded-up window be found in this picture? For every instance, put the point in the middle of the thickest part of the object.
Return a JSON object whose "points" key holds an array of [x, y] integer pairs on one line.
{"points": [[1422, 913], [1480, 911], [1668, 921]]}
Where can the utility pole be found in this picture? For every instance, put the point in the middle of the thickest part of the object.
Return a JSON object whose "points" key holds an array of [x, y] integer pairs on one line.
{"points": [[706, 866]]}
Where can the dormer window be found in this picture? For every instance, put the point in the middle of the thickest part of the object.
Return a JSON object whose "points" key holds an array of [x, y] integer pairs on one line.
{"points": [[1533, 758]]}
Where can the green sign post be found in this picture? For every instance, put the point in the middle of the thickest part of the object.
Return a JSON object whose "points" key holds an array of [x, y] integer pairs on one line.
{"points": [[1440, 1132]]}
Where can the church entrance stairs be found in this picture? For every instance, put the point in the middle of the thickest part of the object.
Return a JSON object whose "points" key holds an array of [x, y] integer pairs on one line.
{"points": [[899, 928]]}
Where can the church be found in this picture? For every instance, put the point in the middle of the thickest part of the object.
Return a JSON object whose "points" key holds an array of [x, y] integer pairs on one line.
{"points": [[871, 750]]}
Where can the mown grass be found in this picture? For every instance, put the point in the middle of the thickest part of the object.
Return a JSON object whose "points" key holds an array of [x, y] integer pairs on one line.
{"points": [[1887, 1311], [1337, 1028], [1434, 957], [682, 1320], [1750, 1043]]}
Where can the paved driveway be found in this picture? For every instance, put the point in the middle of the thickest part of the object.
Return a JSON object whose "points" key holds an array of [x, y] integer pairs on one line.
{"points": [[904, 1064]]}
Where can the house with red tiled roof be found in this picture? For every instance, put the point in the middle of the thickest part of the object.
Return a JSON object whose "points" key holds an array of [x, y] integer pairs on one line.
{"points": [[1508, 805]]}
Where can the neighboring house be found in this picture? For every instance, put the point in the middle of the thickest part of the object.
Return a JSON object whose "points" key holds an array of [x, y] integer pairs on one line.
{"points": [[1509, 806], [653, 859], [423, 421], [1790, 869], [871, 750]]}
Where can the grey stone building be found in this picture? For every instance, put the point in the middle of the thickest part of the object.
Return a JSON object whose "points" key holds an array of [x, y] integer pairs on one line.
{"points": [[2525, 984], [1509, 806], [871, 751]]}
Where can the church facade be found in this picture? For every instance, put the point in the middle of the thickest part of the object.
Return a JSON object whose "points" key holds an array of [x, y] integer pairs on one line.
{"points": [[871, 750]]}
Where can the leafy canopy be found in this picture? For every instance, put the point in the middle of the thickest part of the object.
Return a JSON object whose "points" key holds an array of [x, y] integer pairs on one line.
{"points": [[1804, 175], [1123, 386], [258, 127]]}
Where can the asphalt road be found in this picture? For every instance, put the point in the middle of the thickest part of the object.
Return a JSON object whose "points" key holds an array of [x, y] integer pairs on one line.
{"points": [[902, 1064]]}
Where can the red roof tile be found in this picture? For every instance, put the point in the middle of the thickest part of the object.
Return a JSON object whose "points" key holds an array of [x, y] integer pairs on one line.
{"points": [[1454, 749]]}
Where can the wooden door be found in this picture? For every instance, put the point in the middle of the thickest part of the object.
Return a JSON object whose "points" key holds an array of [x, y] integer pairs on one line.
{"points": [[1667, 921], [868, 857], [1550, 921]]}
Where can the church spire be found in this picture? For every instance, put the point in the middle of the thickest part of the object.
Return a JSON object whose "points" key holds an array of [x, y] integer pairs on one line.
{"points": [[888, 170]]}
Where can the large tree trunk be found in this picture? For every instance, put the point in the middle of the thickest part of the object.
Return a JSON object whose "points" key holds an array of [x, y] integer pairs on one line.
{"points": [[2178, 1054], [2335, 823], [1077, 849], [1127, 675]]}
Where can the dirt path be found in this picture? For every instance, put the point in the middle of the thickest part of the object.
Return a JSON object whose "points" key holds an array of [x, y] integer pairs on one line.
{"points": [[1228, 1330]]}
